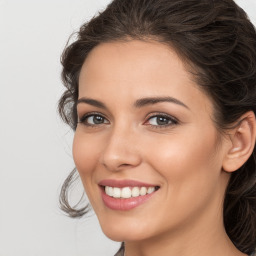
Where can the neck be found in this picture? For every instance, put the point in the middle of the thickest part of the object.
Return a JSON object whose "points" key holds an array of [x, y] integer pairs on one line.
{"points": [[208, 238]]}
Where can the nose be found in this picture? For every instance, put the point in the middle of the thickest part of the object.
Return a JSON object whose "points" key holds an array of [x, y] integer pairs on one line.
{"points": [[121, 151]]}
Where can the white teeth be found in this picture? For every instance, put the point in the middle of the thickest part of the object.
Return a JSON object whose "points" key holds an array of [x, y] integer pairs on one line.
{"points": [[151, 190], [116, 192], [128, 192], [135, 191], [143, 191], [109, 191]]}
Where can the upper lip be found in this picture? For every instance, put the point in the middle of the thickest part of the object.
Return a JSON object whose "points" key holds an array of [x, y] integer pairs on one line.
{"points": [[124, 183]]}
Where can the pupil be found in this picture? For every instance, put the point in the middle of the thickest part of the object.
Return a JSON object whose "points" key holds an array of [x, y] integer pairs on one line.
{"points": [[97, 119], [162, 120]]}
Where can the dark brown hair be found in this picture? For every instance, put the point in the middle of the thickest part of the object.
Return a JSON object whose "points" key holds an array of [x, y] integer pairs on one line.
{"points": [[217, 40]]}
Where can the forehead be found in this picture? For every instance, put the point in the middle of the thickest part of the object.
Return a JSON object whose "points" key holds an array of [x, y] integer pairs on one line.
{"points": [[136, 69], [131, 60]]}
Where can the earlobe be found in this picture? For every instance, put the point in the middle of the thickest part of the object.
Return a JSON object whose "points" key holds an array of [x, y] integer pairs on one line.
{"points": [[242, 143]]}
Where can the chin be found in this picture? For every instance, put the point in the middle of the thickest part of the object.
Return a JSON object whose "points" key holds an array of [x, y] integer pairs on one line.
{"points": [[124, 236], [125, 231]]}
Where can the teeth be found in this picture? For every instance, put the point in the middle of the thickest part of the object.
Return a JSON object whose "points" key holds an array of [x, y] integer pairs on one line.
{"points": [[135, 191], [116, 192], [109, 191], [150, 190], [143, 191], [128, 192]]}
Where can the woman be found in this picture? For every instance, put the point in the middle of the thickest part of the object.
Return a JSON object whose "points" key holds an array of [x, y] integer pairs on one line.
{"points": [[162, 98]]}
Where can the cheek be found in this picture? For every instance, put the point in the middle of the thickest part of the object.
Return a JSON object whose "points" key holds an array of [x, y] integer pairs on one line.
{"points": [[191, 171], [85, 154], [187, 162], [86, 158]]}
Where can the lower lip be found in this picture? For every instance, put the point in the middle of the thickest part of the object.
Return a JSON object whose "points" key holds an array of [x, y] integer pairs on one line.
{"points": [[124, 204]]}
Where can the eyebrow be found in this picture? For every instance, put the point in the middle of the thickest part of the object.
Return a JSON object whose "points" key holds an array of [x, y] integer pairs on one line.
{"points": [[138, 103], [92, 102], [153, 100]]}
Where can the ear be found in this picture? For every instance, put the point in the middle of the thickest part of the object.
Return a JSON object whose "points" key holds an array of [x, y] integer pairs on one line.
{"points": [[242, 139]]}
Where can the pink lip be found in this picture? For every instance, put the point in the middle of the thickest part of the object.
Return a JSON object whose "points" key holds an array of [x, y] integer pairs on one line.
{"points": [[122, 204], [124, 183]]}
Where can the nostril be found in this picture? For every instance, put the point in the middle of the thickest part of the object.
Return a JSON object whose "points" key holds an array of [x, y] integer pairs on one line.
{"points": [[124, 165]]}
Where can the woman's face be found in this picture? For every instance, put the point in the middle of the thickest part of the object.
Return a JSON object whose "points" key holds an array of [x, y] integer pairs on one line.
{"points": [[146, 133]]}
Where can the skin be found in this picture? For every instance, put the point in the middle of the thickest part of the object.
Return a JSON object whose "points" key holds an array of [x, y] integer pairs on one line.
{"points": [[185, 157]]}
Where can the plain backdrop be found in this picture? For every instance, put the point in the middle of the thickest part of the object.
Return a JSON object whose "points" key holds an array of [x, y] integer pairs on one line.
{"points": [[35, 146]]}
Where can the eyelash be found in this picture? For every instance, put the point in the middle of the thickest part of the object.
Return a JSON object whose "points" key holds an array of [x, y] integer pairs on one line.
{"points": [[84, 118], [171, 120]]}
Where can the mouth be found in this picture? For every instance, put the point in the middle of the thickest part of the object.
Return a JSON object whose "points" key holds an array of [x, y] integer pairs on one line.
{"points": [[125, 194], [128, 192]]}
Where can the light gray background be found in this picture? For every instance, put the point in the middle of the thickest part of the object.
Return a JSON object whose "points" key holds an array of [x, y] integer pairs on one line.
{"points": [[35, 147]]}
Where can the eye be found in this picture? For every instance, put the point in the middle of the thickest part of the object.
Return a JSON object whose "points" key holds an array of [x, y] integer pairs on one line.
{"points": [[161, 121], [93, 119]]}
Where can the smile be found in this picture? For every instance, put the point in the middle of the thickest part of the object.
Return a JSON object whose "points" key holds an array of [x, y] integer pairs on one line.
{"points": [[125, 194], [128, 192]]}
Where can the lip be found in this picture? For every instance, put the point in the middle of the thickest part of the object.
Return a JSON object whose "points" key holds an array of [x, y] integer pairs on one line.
{"points": [[125, 183], [124, 204]]}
